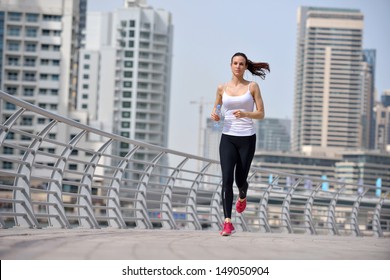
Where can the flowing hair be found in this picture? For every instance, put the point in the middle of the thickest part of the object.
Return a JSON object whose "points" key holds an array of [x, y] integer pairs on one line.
{"points": [[256, 68]]}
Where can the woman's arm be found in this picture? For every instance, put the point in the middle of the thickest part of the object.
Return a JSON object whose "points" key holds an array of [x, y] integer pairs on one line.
{"points": [[259, 112], [218, 101]]}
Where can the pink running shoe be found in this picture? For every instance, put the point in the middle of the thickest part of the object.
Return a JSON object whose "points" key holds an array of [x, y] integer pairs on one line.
{"points": [[228, 229], [240, 205]]}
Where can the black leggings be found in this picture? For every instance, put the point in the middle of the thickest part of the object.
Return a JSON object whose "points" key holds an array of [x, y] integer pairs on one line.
{"points": [[236, 154]]}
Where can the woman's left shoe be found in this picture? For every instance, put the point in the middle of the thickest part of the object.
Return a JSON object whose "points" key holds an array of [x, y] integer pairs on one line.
{"points": [[240, 205], [228, 229]]}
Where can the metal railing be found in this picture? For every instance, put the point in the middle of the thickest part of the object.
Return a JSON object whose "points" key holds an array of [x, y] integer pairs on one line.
{"points": [[50, 180]]}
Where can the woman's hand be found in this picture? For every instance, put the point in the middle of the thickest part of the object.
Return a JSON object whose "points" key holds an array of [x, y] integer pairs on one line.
{"points": [[239, 114], [215, 117]]}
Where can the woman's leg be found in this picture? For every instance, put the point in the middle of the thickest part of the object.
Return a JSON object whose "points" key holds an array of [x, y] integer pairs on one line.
{"points": [[246, 149], [228, 157]]}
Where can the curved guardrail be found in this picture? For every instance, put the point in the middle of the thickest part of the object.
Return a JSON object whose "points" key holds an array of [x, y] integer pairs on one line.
{"points": [[84, 181]]}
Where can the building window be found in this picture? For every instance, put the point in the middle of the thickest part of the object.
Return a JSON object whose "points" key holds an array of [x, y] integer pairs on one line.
{"points": [[7, 165], [127, 84], [32, 17], [124, 145], [28, 76], [128, 74], [129, 54], [13, 46], [128, 64], [10, 135], [29, 61], [131, 44], [28, 91], [26, 121], [85, 86], [13, 76], [126, 104], [84, 106], [126, 115], [125, 124], [125, 134], [51, 18], [31, 32], [45, 47], [10, 106], [85, 96], [14, 61], [43, 77], [31, 47], [12, 90], [72, 166], [45, 32], [13, 16], [86, 76], [127, 94], [87, 56], [86, 66], [14, 31], [132, 23]]}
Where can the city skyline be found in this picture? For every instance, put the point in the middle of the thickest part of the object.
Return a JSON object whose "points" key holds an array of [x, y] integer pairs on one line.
{"points": [[196, 75]]}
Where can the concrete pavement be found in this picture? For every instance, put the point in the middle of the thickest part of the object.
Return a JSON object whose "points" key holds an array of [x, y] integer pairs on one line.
{"points": [[132, 244]]}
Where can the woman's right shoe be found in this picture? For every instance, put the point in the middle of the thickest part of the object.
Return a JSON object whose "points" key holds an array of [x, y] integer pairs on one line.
{"points": [[240, 205], [228, 229]]}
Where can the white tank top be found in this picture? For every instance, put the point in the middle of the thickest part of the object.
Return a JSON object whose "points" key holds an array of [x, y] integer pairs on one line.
{"points": [[238, 126]]}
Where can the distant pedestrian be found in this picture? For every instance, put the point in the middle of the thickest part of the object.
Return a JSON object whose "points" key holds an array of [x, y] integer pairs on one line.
{"points": [[242, 102]]}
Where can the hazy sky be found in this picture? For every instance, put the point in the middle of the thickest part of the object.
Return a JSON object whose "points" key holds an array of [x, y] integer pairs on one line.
{"points": [[208, 32]]}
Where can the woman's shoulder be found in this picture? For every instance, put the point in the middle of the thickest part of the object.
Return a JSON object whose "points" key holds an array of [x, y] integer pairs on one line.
{"points": [[221, 88]]}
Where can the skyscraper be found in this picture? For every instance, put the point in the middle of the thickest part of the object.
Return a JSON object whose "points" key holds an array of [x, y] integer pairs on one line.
{"points": [[125, 72], [382, 123], [333, 83], [38, 42]]}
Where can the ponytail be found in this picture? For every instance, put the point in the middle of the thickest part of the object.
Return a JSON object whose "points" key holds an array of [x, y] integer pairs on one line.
{"points": [[256, 68]]}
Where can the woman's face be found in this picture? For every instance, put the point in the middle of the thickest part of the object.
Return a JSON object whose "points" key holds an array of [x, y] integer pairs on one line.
{"points": [[238, 65]]}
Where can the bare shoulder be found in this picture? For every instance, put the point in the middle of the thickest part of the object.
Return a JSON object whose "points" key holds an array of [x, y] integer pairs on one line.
{"points": [[254, 88], [220, 89]]}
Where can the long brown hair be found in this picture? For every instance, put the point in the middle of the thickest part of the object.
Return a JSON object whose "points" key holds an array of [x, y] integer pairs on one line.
{"points": [[256, 68]]}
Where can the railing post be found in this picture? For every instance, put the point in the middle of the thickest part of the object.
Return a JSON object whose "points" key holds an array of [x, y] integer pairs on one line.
{"points": [[85, 198], [24, 182], [376, 221], [332, 223], [355, 214], [166, 208], [215, 204], [308, 211], [263, 211], [191, 199], [286, 221]]}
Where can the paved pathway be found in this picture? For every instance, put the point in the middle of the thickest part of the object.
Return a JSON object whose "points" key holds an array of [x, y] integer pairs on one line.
{"points": [[130, 244]]}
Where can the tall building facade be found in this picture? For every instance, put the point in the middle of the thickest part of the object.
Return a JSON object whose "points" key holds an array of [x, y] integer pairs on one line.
{"points": [[333, 84], [382, 123], [38, 51], [273, 134], [125, 72]]}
